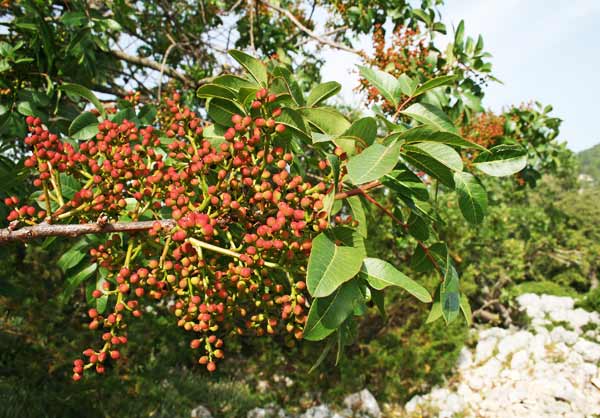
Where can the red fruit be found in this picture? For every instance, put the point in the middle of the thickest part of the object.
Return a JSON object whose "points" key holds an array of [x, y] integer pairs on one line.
{"points": [[211, 366], [115, 355], [256, 104], [76, 377]]}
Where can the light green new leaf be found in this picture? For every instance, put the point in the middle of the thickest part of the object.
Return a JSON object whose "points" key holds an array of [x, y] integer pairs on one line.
{"points": [[502, 160], [433, 83], [330, 265], [327, 314], [472, 197], [384, 82], [85, 126], [256, 68], [430, 115], [374, 162], [322, 92], [381, 274]]}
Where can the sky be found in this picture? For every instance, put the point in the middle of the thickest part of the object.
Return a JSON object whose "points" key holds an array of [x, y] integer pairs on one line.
{"points": [[545, 50]]}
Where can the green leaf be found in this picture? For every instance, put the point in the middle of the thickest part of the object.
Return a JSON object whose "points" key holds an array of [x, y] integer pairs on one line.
{"points": [[406, 182], [381, 274], [69, 185], [417, 227], [407, 84], [256, 68], [76, 280], [465, 307], [460, 33], [358, 213], [502, 160], [427, 133], [421, 263], [437, 160], [78, 90], [293, 119], [449, 293], [384, 82], [435, 313], [364, 129], [85, 126], [374, 162], [322, 92], [147, 114], [472, 197], [233, 82], [221, 111], [74, 18], [327, 314], [330, 265], [433, 83], [26, 109], [327, 120], [430, 115], [214, 90], [70, 259]]}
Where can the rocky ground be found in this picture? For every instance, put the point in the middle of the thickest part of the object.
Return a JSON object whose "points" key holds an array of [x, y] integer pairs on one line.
{"points": [[548, 369]]}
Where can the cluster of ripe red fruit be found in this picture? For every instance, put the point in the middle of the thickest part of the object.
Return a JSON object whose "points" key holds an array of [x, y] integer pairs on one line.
{"points": [[233, 264]]}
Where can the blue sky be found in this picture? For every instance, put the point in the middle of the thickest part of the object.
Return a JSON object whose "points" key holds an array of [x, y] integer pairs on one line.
{"points": [[546, 50]]}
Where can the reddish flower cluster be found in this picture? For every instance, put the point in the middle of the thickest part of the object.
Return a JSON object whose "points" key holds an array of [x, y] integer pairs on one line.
{"points": [[233, 264], [484, 129], [407, 53]]}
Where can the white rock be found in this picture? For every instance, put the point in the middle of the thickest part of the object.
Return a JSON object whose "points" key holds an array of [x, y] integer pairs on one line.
{"points": [[321, 411], [561, 335], [363, 402], [485, 349], [549, 374], [465, 359], [551, 303], [590, 351], [519, 360], [271, 411], [200, 412]]}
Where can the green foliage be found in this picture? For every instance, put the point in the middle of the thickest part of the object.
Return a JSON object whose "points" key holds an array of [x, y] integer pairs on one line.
{"points": [[589, 162]]}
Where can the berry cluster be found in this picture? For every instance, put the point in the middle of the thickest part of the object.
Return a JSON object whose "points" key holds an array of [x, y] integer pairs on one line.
{"points": [[233, 260]]}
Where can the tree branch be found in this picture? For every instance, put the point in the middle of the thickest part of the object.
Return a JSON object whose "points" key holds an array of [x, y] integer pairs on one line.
{"points": [[148, 63], [309, 32], [44, 230]]}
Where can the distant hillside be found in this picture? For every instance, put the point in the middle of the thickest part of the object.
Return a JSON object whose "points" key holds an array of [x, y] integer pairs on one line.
{"points": [[589, 161]]}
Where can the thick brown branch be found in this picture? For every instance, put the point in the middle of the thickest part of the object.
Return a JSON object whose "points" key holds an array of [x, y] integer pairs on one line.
{"points": [[44, 230], [309, 32]]}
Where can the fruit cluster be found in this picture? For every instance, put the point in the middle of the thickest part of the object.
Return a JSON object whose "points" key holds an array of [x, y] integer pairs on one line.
{"points": [[233, 259]]}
